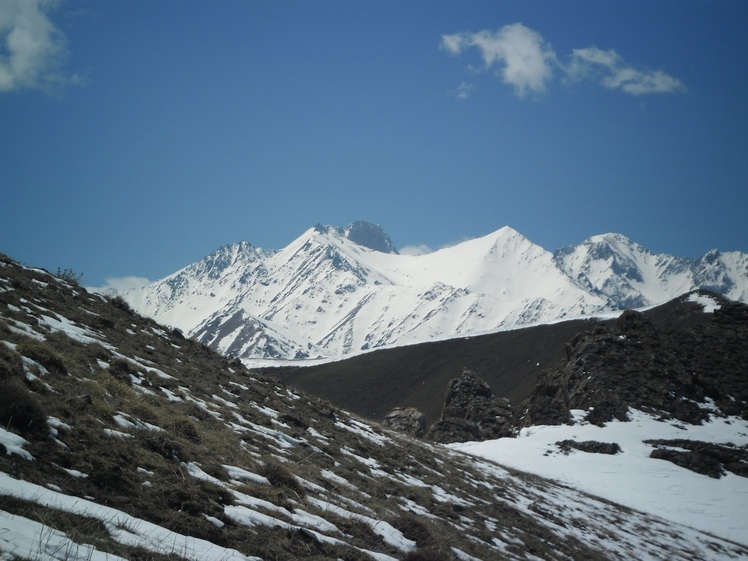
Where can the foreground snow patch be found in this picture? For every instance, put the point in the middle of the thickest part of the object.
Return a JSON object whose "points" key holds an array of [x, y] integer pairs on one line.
{"points": [[632, 478], [22, 533]]}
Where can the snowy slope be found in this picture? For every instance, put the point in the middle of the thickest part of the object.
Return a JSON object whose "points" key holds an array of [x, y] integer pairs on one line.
{"points": [[632, 478], [326, 295], [632, 277]]}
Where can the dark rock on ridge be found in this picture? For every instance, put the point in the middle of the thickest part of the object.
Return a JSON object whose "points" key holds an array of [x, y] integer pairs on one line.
{"points": [[472, 412], [590, 446], [706, 458], [370, 235]]}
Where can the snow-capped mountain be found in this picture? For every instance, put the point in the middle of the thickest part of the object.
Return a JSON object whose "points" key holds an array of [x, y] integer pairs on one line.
{"points": [[614, 267], [335, 291]]}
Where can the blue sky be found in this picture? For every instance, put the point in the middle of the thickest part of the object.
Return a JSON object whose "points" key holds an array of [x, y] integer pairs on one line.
{"points": [[138, 136]]}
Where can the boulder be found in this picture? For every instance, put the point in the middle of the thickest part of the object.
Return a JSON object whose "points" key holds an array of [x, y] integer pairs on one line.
{"points": [[406, 419]]}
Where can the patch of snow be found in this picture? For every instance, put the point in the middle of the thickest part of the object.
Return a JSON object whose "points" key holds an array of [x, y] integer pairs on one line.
{"points": [[22, 538], [707, 302], [225, 402], [75, 473], [336, 479], [116, 433], [69, 328], [20, 328], [58, 424], [632, 478], [387, 532], [14, 444], [238, 473], [123, 528]]}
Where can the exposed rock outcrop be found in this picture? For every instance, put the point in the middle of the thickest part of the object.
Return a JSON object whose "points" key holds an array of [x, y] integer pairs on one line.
{"points": [[676, 361], [472, 412], [406, 419]]}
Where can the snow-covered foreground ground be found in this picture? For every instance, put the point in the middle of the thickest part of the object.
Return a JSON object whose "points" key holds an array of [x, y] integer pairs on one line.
{"points": [[632, 478]]}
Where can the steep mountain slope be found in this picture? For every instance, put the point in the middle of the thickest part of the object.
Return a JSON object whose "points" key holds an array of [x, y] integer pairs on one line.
{"points": [[121, 439], [613, 266], [338, 291]]}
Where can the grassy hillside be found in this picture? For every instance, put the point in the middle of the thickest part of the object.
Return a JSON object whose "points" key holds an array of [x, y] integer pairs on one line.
{"points": [[122, 439]]}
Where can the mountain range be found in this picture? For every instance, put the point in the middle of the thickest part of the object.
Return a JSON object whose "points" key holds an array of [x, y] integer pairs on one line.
{"points": [[337, 291]]}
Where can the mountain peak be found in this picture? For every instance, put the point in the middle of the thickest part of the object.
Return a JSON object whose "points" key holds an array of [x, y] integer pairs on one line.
{"points": [[363, 233], [369, 235]]}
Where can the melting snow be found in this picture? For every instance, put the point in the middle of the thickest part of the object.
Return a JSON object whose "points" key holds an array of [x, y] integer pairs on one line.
{"points": [[123, 528], [14, 444], [632, 478], [709, 304]]}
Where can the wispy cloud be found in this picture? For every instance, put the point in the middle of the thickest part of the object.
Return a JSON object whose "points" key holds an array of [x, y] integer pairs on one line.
{"points": [[516, 53], [113, 285], [464, 90], [520, 57], [609, 68], [415, 250], [32, 49]]}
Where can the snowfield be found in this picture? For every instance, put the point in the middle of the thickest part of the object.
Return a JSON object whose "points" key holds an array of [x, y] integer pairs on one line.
{"points": [[632, 478]]}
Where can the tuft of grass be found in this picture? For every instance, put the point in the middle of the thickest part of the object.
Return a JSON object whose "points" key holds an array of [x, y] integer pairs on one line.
{"points": [[121, 304], [121, 370], [44, 355], [280, 476], [69, 275], [10, 364], [19, 409]]}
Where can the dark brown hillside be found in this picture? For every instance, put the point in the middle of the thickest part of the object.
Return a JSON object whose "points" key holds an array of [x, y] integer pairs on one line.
{"points": [[677, 360], [418, 375]]}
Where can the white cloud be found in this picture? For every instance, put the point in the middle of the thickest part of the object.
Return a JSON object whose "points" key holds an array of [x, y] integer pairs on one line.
{"points": [[113, 285], [31, 47], [522, 58], [609, 68], [464, 90], [415, 250]]}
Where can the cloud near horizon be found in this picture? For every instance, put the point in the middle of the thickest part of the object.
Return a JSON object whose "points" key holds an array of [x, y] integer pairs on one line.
{"points": [[420, 249], [32, 49], [523, 59], [115, 284]]}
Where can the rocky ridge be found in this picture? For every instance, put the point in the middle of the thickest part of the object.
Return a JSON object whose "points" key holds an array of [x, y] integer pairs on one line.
{"points": [[686, 359]]}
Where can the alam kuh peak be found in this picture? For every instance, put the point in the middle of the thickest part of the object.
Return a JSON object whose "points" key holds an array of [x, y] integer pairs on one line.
{"points": [[336, 292]]}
